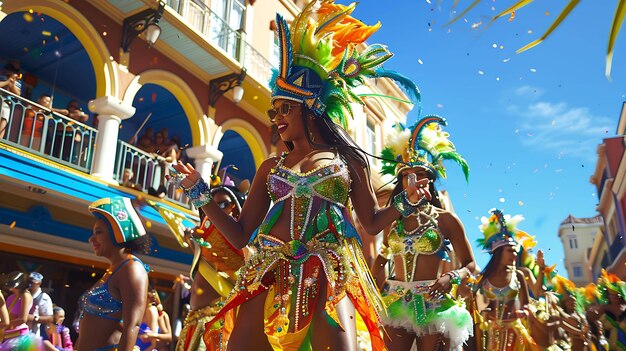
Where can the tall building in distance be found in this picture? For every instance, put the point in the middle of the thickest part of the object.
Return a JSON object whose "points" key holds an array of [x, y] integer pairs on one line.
{"points": [[577, 236]]}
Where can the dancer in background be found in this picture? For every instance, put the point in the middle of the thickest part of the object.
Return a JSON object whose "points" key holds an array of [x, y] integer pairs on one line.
{"points": [[213, 271], [114, 306], [17, 335], [503, 324], [417, 294], [307, 276]]}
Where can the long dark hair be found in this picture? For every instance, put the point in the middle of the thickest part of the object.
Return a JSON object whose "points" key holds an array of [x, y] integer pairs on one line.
{"points": [[334, 137], [491, 267]]}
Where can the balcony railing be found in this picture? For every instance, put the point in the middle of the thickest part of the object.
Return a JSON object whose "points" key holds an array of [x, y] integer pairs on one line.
{"points": [[200, 17], [148, 171], [40, 131]]}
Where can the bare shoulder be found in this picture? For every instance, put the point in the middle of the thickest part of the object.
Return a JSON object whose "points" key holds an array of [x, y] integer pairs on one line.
{"points": [[135, 269], [268, 164], [448, 221]]}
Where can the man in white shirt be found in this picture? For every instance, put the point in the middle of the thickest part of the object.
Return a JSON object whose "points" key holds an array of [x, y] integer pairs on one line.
{"points": [[41, 312]]}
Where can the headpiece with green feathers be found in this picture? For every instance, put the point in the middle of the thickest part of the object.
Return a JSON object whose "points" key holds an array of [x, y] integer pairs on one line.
{"points": [[423, 145], [500, 230], [608, 282], [319, 63]]}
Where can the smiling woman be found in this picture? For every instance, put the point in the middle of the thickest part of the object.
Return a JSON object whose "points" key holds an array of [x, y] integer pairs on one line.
{"points": [[113, 308]]}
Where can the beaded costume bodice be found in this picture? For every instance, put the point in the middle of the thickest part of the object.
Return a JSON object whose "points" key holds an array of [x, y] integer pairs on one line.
{"points": [[501, 295], [98, 300], [308, 192], [505, 294], [425, 239]]}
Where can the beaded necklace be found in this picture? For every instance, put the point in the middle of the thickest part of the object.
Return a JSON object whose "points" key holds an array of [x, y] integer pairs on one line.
{"points": [[502, 295], [428, 227]]}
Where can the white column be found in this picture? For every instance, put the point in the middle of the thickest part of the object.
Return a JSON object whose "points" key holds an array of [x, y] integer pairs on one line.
{"points": [[204, 157], [111, 111]]}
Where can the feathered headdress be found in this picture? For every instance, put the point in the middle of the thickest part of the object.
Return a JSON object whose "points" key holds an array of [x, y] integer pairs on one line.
{"points": [[608, 282], [319, 63], [423, 145], [500, 230]]}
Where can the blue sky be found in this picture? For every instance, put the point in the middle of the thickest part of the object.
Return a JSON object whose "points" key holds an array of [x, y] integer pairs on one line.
{"points": [[528, 124]]}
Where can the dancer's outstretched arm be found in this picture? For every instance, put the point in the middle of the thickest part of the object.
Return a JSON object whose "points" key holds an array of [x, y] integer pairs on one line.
{"points": [[372, 218], [236, 231]]}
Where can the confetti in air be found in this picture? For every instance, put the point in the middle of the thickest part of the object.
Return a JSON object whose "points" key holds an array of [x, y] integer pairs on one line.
{"points": [[420, 61], [12, 225]]}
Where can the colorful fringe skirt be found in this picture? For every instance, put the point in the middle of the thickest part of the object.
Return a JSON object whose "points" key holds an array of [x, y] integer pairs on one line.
{"points": [[410, 307]]}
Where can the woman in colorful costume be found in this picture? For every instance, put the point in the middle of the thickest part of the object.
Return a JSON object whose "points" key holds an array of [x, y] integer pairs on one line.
{"points": [[213, 276], [17, 336], [611, 311], [307, 275], [503, 324], [417, 296], [120, 295]]}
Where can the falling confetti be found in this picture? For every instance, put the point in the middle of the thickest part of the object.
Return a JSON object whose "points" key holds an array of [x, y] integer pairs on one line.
{"points": [[520, 203], [533, 70], [46, 33], [148, 224], [420, 61], [104, 34], [530, 31], [501, 199], [440, 105], [554, 122], [506, 60], [495, 46], [93, 274], [28, 17], [12, 225], [512, 17], [476, 25], [481, 72], [498, 78]]}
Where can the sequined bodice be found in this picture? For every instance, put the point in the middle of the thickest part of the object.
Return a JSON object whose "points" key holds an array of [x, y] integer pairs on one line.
{"points": [[502, 295], [98, 300], [425, 239], [308, 191]]}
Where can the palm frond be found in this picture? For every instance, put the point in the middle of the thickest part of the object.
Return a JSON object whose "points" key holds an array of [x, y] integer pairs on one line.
{"points": [[620, 13], [566, 11]]}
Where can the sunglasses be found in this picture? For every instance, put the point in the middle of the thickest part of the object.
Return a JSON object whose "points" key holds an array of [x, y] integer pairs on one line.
{"points": [[283, 110], [224, 204]]}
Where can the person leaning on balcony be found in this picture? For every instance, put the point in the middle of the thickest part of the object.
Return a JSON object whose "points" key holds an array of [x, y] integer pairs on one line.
{"points": [[114, 306], [9, 80], [34, 120], [67, 137]]}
